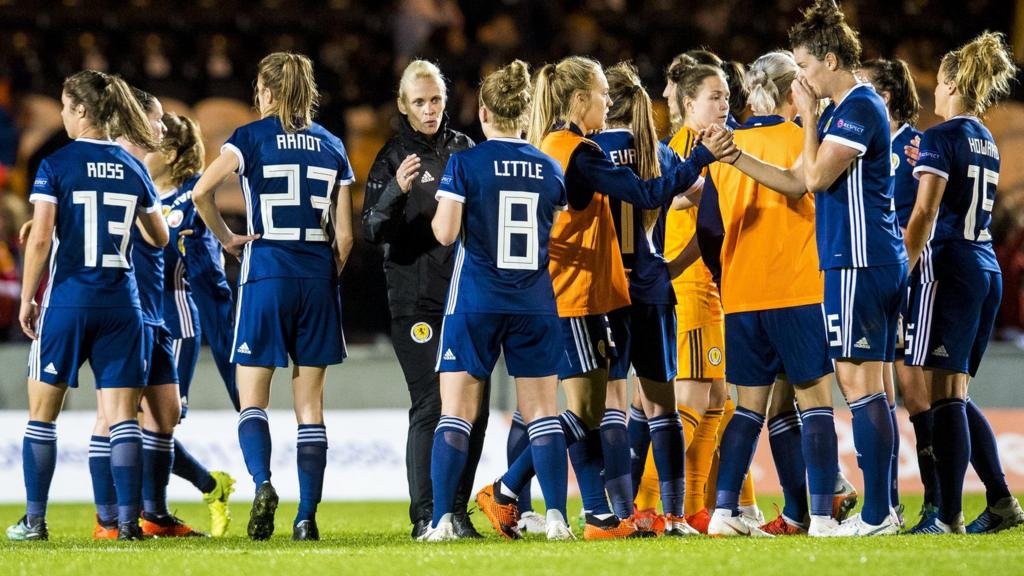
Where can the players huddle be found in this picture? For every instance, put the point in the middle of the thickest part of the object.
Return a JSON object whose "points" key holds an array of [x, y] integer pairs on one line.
{"points": [[822, 233]]}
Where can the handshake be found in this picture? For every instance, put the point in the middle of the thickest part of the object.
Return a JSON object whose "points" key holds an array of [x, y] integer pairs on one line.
{"points": [[718, 139]]}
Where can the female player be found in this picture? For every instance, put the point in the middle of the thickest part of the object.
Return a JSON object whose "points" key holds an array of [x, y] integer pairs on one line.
{"points": [[773, 329], [90, 310], [588, 277], [295, 175], [955, 305], [397, 212], [191, 258], [702, 96], [845, 163], [644, 332], [499, 200], [894, 83]]}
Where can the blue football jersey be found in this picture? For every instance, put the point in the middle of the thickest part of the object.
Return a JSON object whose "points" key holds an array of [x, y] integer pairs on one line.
{"points": [[963, 152], [149, 274], [180, 312], [854, 217], [642, 249], [98, 188], [904, 186], [289, 182], [511, 192]]}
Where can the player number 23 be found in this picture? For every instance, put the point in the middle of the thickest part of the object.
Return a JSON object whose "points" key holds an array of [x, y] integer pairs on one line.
{"points": [[292, 197]]}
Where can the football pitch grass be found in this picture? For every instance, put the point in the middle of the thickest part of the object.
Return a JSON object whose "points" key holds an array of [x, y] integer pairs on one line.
{"points": [[373, 538]]}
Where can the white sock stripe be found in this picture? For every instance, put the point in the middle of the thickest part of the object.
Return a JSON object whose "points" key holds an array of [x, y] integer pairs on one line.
{"points": [[750, 416], [41, 437], [41, 432], [156, 448], [320, 440], [783, 425], [637, 414], [866, 400], [545, 429], [453, 423], [518, 418], [96, 453], [613, 417], [250, 413], [668, 420], [574, 425]]}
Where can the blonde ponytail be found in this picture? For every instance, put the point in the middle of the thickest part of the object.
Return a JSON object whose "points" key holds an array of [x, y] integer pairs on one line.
{"points": [[553, 92], [768, 81], [982, 70], [631, 106], [110, 106]]}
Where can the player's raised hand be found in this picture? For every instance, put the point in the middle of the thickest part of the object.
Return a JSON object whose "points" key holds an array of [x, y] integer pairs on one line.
{"points": [[805, 98], [913, 151], [407, 171], [27, 316], [236, 242]]}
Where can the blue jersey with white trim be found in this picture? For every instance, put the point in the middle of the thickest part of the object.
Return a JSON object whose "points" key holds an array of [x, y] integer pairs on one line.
{"points": [[98, 188], [149, 274], [180, 311], [904, 186], [643, 250], [289, 183], [510, 192], [963, 152], [854, 217]]}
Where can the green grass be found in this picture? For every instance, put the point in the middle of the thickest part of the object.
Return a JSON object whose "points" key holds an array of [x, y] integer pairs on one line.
{"points": [[373, 538]]}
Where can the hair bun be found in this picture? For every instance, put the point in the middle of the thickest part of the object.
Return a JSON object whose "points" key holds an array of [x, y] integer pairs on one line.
{"points": [[824, 14]]}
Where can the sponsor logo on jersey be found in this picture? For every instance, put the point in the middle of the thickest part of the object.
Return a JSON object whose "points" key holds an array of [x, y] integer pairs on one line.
{"points": [[244, 349], [863, 344], [849, 126], [427, 177], [421, 333], [940, 352], [50, 369], [449, 355], [715, 355]]}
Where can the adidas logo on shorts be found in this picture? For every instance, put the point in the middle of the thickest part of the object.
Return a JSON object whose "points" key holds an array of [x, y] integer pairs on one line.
{"points": [[863, 344], [940, 352], [448, 354], [50, 369], [427, 177], [244, 349]]}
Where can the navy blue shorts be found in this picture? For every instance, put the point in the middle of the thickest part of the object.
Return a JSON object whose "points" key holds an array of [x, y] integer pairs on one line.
{"points": [[763, 344], [472, 342], [158, 349], [862, 309], [645, 338], [952, 318], [186, 356], [109, 338], [587, 344], [282, 318]]}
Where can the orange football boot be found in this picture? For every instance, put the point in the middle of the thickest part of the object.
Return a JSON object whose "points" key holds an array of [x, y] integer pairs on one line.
{"points": [[500, 510]]}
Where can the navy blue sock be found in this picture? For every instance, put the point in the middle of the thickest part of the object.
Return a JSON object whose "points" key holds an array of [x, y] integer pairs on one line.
{"points": [[521, 471], [872, 437], [787, 452], [923, 427], [103, 493], [588, 463], [254, 438], [735, 453], [952, 446], [311, 459], [615, 451], [669, 459], [985, 455], [126, 466], [157, 460], [447, 460], [821, 456], [518, 443], [39, 458], [187, 467], [639, 442], [894, 465], [547, 447]]}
